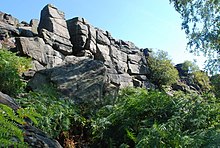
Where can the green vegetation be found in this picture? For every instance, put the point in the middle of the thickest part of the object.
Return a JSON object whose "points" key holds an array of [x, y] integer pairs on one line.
{"points": [[10, 134], [215, 81], [161, 71], [58, 115], [11, 67], [189, 67], [202, 80], [201, 24], [196, 77], [153, 119], [137, 118]]}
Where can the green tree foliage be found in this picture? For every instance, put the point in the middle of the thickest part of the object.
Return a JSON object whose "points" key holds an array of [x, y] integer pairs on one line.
{"points": [[11, 67], [215, 81], [195, 76], [153, 119], [161, 70], [201, 78], [189, 66], [10, 134], [201, 22]]}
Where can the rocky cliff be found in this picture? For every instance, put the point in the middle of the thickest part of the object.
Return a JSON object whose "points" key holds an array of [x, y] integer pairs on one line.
{"points": [[82, 61]]}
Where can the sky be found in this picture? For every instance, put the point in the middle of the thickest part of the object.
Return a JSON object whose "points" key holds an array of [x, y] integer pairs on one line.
{"points": [[146, 23]]}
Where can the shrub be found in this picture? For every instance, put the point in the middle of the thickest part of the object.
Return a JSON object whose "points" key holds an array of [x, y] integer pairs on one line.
{"points": [[58, 115], [162, 72], [189, 66], [215, 81], [11, 135], [202, 80], [135, 108], [153, 119], [11, 67]]}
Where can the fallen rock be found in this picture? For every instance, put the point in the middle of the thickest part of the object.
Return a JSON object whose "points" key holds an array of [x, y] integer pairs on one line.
{"points": [[6, 100]]}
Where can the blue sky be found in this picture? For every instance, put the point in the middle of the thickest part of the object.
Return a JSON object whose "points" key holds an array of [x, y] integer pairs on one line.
{"points": [[147, 23]]}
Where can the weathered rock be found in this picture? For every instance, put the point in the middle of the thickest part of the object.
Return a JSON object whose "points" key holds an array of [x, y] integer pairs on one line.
{"points": [[27, 75], [33, 47], [32, 136], [38, 139], [8, 43], [101, 37], [53, 20], [6, 100], [7, 18], [73, 59], [125, 80], [82, 80], [34, 25], [38, 50], [79, 35], [53, 29], [102, 53], [36, 66], [26, 31], [7, 34], [8, 30], [122, 60], [181, 86]]}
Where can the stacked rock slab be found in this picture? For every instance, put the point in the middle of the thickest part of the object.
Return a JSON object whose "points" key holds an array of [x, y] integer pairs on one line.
{"points": [[53, 29], [43, 55], [123, 60]]}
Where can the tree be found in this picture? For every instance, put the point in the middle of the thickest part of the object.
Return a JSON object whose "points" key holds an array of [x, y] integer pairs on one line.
{"points": [[215, 80], [202, 80], [189, 66], [161, 70], [201, 22]]}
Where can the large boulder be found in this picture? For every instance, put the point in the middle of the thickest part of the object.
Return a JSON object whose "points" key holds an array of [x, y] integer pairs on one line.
{"points": [[78, 78], [53, 29]]}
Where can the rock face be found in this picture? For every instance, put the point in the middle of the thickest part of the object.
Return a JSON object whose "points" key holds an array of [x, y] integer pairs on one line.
{"points": [[53, 29], [123, 60], [84, 62], [81, 79], [43, 53], [33, 136]]}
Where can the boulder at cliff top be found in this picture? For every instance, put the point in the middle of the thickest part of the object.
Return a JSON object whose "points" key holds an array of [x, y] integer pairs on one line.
{"points": [[53, 29]]}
